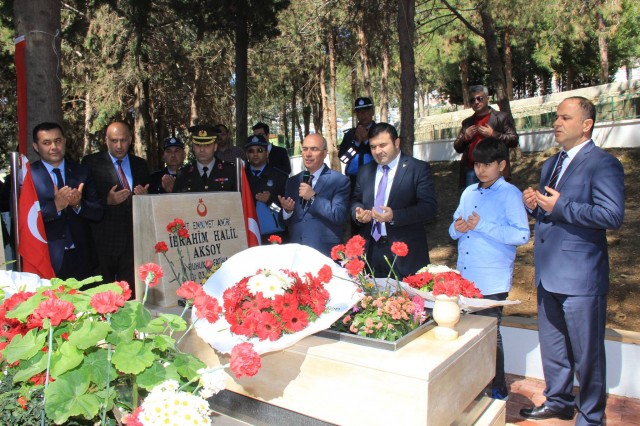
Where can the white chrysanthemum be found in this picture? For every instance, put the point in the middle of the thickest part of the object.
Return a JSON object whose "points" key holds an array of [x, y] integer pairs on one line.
{"points": [[269, 283], [212, 382], [172, 407], [437, 269]]}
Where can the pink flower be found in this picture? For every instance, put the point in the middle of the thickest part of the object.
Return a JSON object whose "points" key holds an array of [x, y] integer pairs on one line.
{"points": [[399, 249], [189, 290], [107, 302], [126, 290], [354, 267], [133, 419], [207, 307], [355, 247], [56, 310], [245, 361], [208, 264], [161, 247], [336, 251], [325, 274], [275, 239], [150, 273]]}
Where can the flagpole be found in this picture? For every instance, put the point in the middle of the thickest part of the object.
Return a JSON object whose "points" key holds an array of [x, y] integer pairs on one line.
{"points": [[239, 165], [15, 192]]}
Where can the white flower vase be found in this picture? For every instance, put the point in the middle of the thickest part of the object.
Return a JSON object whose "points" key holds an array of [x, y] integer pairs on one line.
{"points": [[446, 313]]}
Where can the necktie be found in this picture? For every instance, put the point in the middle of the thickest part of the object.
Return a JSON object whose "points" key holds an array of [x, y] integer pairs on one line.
{"points": [[556, 172], [60, 181], [204, 175], [376, 229], [305, 203], [122, 178]]}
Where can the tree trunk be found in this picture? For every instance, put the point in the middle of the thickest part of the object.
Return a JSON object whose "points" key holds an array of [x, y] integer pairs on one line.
{"points": [[493, 58], [285, 125], [242, 47], [88, 116], [142, 119], [603, 47], [508, 66], [354, 94], [294, 116], [39, 22], [364, 58], [464, 78], [193, 112], [406, 33], [384, 79], [333, 116]]}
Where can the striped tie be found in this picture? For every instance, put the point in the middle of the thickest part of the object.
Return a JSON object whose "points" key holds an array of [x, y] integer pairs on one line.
{"points": [[556, 172]]}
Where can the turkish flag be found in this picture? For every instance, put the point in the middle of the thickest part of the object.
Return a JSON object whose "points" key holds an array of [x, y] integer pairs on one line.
{"points": [[249, 209], [32, 245]]}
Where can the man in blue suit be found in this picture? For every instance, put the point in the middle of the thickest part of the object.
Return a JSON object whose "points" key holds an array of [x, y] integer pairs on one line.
{"points": [[68, 201], [393, 198], [581, 195], [316, 201]]}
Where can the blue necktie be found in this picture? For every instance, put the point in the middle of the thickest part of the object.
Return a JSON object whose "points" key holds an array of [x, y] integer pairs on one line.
{"points": [[556, 172], [376, 229], [60, 180]]}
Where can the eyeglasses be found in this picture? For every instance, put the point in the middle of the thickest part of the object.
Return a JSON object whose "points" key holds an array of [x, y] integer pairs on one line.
{"points": [[475, 99], [257, 150]]}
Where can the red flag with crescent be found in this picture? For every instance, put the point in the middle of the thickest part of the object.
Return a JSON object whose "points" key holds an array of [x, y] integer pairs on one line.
{"points": [[249, 209], [33, 245]]}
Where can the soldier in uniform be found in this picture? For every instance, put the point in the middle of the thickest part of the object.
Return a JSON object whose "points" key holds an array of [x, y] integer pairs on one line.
{"points": [[207, 172], [267, 183]]}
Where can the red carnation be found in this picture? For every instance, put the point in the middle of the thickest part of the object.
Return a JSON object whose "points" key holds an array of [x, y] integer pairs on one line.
{"points": [[354, 267], [107, 302], [183, 233], [399, 249], [39, 379], [245, 361], [150, 273], [56, 310], [207, 307], [126, 290], [189, 290], [176, 225], [208, 264], [325, 274], [336, 251], [275, 239], [355, 247], [161, 247]]}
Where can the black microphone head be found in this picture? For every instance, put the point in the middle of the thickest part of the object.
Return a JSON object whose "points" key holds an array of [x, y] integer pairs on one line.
{"points": [[306, 176]]}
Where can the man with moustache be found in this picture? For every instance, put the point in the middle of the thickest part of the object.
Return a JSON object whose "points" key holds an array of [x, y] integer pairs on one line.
{"points": [[393, 198], [485, 122], [68, 202], [119, 175], [580, 196], [162, 180], [316, 201], [226, 151]]}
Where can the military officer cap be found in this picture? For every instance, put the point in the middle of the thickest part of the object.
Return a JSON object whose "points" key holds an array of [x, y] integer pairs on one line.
{"points": [[203, 134], [256, 140], [172, 141], [363, 103]]}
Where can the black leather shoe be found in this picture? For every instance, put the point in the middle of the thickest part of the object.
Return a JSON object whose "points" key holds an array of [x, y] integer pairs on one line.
{"points": [[543, 412]]}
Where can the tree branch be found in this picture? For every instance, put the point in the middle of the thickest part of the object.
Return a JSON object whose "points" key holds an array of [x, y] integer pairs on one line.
{"points": [[462, 19]]}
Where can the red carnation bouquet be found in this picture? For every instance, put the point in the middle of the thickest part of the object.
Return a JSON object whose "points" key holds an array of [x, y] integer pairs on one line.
{"points": [[440, 279], [272, 303]]}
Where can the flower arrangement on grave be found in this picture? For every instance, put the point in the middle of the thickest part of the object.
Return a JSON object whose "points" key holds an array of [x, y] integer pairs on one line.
{"points": [[91, 356], [442, 280], [386, 313]]}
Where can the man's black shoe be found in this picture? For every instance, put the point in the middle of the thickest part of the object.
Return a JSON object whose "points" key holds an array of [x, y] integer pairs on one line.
{"points": [[543, 412]]}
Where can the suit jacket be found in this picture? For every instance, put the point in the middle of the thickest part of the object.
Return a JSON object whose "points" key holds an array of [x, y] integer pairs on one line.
{"points": [[570, 248], [279, 158], [113, 235], [504, 130], [221, 178], [69, 226], [413, 200], [155, 181], [321, 224]]}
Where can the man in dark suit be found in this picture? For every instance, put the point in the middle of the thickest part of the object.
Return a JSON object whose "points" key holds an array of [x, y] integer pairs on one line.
{"points": [[118, 176], [267, 183], [393, 198], [316, 201], [278, 157], [581, 195], [207, 172], [173, 155], [68, 201]]}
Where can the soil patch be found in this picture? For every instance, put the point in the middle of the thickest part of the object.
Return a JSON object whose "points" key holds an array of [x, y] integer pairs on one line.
{"points": [[623, 304]]}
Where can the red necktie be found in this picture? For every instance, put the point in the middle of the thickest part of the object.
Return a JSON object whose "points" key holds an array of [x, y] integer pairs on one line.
{"points": [[121, 176]]}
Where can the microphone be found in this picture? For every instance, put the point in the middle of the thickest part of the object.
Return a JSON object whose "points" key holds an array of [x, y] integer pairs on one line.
{"points": [[305, 179]]}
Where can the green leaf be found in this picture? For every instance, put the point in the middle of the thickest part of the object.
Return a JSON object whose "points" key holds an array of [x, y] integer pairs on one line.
{"points": [[95, 367], [187, 365], [68, 396], [143, 316], [156, 325], [26, 308], [31, 367], [164, 342], [133, 357], [155, 375], [24, 347], [102, 288], [67, 357], [89, 333]]}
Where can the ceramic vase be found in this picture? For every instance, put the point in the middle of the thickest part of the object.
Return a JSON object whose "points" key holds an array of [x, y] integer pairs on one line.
{"points": [[446, 313]]}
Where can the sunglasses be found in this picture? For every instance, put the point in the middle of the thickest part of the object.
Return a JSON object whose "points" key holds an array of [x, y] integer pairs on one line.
{"points": [[476, 99], [253, 151]]}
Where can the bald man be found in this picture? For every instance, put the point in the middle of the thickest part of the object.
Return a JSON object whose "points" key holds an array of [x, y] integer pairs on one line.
{"points": [[119, 176]]}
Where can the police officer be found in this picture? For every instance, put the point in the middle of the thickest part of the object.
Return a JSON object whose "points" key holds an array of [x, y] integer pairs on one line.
{"points": [[207, 172], [162, 180]]}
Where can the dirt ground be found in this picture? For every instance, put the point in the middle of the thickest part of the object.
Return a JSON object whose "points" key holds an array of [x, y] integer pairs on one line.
{"points": [[623, 304]]}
